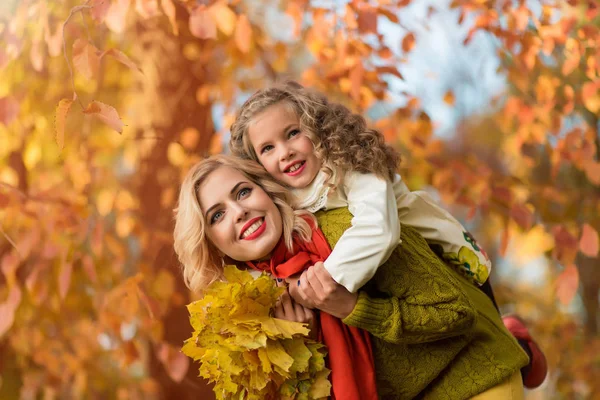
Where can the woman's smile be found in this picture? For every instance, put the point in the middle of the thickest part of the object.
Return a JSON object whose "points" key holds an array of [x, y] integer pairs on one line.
{"points": [[253, 228]]}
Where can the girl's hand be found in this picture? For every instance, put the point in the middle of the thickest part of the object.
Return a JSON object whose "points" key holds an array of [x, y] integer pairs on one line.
{"points": [[316, 289], [290, 310]]}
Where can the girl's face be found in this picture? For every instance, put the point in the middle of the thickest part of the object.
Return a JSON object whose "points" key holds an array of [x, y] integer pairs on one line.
{"points": [[241, 219], [282, 148]]}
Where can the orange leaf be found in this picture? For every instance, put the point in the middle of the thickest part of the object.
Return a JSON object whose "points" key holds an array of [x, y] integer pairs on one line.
{"points": [[99, 9], [389, 70], [567, 284], [150, 303], [37, 56], [588, 243], [356, 77], [367, 20], [9, 109], [590, 94], [522, 215], [60, 121], [8, 308], [389, 15], [64, 279], [408, 42], [147, 8], [216, 144], [566, 245], [116, 15], [170, 11], [449, 98], [293, 10], [202, 24], [122, 58], [175, 362], [85, 58], [54, 41], [89, 268], [592, 171], [243, 34], [521, 15], [223, 17], [106, 114]]}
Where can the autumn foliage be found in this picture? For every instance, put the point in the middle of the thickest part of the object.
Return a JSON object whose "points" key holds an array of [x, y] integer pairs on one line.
{"points": [[104, 104]]}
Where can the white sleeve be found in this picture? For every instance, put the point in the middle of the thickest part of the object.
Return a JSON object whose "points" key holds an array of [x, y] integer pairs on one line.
{"points": [[374, 234]]}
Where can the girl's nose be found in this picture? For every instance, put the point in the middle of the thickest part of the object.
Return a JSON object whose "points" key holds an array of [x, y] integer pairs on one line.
{"points": [[286, 153]]}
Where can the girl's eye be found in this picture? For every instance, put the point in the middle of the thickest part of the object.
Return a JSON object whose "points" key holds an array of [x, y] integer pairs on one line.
{"points": [[215, 217], [294, 132], [266, 148], [244, 193]]}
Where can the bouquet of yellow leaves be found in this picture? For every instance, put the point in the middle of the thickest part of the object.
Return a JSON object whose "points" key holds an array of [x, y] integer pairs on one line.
{"points": [[247, 353]]}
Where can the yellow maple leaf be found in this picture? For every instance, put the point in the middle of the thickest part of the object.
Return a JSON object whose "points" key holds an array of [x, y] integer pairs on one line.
{"points": [[246, 352]]}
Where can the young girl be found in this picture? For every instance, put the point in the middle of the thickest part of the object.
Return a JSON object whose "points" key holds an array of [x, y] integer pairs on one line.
{"points": [[330, 159]]}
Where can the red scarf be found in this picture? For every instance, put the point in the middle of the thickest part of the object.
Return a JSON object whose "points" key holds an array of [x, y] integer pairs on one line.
{"points": [[350, 353]]}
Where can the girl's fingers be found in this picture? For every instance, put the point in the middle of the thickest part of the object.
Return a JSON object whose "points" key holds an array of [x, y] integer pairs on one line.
{"points": [[313, 280], [306, 291]]}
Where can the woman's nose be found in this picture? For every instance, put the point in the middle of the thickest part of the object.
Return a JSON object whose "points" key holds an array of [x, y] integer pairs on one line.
{"points": [[240, 213]]}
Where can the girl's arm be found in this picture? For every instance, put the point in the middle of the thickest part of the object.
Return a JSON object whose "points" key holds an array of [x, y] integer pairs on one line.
{"points": [[444, 233], [374, 233]]}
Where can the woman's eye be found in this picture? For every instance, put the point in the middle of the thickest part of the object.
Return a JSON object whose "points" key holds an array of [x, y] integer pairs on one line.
{"points": [[244, 193], [293, 132], [216, 216], [266, 148]]}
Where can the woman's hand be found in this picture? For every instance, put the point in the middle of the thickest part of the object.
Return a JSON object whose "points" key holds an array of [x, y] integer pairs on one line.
{"points": [[290, 310], [315, 288]]}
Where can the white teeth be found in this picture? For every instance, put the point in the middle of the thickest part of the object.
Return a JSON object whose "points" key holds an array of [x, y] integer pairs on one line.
{"points": [[295, 167], [252, 228]]}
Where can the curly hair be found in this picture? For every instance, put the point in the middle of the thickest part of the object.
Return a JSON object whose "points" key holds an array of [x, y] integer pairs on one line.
{"points": [[340, 137], [201, 262]]}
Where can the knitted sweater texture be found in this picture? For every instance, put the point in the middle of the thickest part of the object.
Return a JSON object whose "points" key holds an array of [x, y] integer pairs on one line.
{"points": [[435, 334]]}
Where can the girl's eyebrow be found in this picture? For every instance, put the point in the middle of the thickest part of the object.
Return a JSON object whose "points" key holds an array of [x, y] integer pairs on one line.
{"points": [[288, 127], [231, 192], [284, 130]]}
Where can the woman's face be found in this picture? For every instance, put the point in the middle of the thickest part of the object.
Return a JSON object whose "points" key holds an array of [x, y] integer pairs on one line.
{"points": [[241, 219]]}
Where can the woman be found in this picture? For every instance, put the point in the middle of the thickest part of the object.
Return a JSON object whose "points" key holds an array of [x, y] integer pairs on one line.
{"points": [[434, 335]]}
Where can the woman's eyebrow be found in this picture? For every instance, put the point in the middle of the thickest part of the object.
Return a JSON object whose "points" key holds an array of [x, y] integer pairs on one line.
{"points": [[236, 186]]}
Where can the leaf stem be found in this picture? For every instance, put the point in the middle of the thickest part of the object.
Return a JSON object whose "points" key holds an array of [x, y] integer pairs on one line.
{"points": [[11, 242], [74, 10]]}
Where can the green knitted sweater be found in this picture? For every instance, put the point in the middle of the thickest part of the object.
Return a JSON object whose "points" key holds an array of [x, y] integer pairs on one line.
{"points": [[435, 335]]}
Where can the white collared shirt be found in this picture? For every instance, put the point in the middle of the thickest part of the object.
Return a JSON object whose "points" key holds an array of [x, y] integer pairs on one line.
{"points": [[379, 207]]}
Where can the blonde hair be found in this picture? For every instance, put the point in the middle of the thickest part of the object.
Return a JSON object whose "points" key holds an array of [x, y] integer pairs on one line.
{"points": [[200, 259], [341, 138]]}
